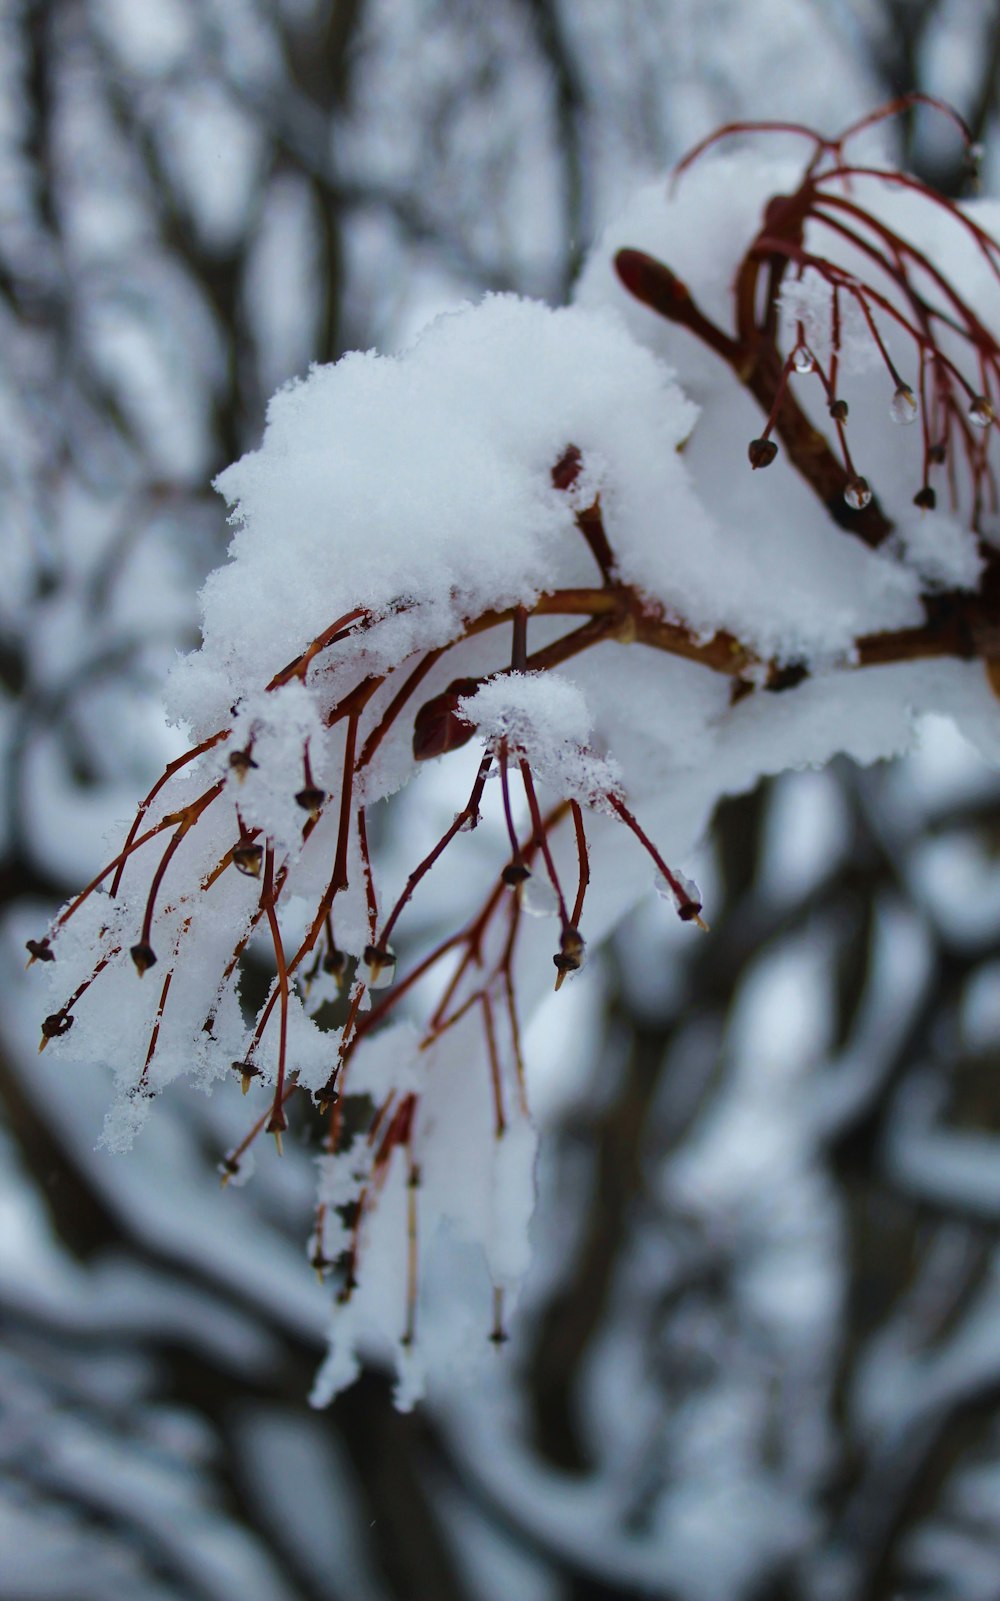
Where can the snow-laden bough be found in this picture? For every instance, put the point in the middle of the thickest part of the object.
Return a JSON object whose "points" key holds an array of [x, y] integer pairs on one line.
{"points": [[545, 536]]}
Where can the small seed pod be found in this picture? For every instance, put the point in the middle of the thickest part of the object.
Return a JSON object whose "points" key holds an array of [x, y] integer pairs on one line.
{"points": [[380, 966], [568, 468], [247, 1072], [228, 1167], [320, 1264], [247, 858], [277, 1124], [437, 727], [761, 452], [570, 955], [328, 1096], [925, 498], [335, 964], [514, 874], [857, 492], [40, 949], [55, 1024], [144, 957], [311, 800], [241, 762], [838, 410], [938, 453]]}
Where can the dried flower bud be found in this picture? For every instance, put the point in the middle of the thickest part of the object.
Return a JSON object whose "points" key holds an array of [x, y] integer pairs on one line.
{"points": [[277, 1124], [570, 955], [981, 412], [311, 800], [567, 469], [228, 1167], [320, 1264], [40, 949], [335, 964], [838, 410], [938, 453], [437, 727], [329, 1095], [857, 492], [761, 452], [144, 957], [925, 498], [241, 762], [380, 966], [247, 1071], [514, 874], [55, 1024], [248, 858]]}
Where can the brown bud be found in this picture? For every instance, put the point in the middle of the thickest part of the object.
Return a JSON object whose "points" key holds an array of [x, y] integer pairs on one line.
{"points": [[311, 799], [569, 957], [938, 453], [380, 962], [925, 498], [761, 452], [437, 727], [277, 1124], [57, 1023], [144, 957], [329, 1095], [248, 858], [335, 963], [247, 1071], [319, 1263], [228, 1167], [514, 874], [41, 950], [241, 762], [838, 410], [567, 469], [651, 282]]}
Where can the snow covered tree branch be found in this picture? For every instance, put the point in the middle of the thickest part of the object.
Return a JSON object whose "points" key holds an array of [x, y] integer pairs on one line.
{"points": [[536, 538]]}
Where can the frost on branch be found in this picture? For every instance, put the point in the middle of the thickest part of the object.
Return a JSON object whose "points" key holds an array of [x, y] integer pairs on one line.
{"points": [[536, 538]]}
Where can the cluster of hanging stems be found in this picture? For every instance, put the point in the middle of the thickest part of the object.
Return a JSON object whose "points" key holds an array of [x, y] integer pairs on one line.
{"points": [[956, 417]]}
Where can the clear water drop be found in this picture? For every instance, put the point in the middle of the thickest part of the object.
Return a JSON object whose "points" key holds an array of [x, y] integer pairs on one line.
{"points": [[538, 898], [857, 493], [804, 360], [903, 407], [981, 412]]}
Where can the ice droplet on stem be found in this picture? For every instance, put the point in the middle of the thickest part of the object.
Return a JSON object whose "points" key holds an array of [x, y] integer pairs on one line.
{"points": [[903, 407], [857, 492], [981, 412], [538, 898], [804, 360]]}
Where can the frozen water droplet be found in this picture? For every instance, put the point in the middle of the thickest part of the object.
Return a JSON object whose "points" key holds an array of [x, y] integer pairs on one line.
{"points": [[804, 360], [857, 493], [538, 898], [903, 407], [981, 412], [683, 895]]}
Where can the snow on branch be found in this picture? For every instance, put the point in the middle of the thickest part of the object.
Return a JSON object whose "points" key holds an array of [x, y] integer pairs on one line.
{"points": [[545, 534]]}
